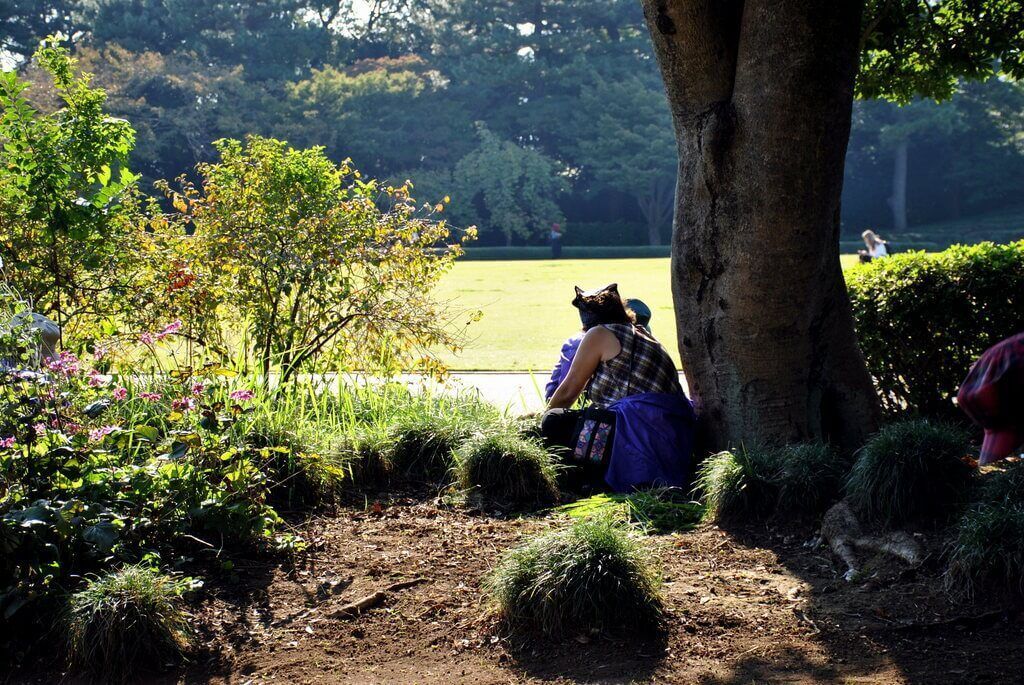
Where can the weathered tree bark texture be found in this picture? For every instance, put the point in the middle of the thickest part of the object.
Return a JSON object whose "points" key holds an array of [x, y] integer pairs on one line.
{"points": [[761, 93]]}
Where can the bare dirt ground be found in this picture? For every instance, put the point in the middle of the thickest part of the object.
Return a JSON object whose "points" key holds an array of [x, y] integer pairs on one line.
{"points": [[743, 607]]}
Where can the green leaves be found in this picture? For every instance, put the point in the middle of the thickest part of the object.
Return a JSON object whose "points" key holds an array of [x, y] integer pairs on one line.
{"points": [[66, 193], [923, 47], [922, 319], [324, 267]]}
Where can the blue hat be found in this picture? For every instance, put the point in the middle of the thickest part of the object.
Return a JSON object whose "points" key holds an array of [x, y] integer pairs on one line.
{"points": [[642, 311]]}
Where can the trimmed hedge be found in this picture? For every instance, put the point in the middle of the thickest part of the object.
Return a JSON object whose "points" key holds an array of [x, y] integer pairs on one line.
{"points": [[474, 254], [922, 319]]}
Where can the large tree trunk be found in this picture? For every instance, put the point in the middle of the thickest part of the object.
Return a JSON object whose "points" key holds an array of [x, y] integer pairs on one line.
{"points": [[898, 201], [761, 93]]}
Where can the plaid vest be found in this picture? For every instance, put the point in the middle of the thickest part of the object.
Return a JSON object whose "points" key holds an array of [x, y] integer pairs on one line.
{"points": [[642, 366]]}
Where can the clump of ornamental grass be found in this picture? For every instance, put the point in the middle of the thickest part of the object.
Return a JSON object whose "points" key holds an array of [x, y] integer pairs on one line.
{"points": [[760, 481], [987, 549], [504, 470], [364, 455], [127, 621], [591, 575], [423, 448], [911, 471]]}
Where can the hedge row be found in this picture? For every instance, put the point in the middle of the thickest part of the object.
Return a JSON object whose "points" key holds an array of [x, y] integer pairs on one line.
{"points": [[922, 319]]}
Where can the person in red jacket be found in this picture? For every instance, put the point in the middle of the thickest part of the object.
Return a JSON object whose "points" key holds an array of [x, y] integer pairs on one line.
{"points": [[993, 396]]}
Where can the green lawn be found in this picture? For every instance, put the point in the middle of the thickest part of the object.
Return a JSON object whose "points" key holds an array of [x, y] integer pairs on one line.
{"points": [[527, 306]]}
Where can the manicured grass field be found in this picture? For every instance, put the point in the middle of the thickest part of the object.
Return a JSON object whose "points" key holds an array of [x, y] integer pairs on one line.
{"points": [[527, 310]]}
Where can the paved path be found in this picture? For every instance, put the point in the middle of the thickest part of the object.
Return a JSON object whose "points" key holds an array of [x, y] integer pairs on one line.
{"points": [[519, 393]]}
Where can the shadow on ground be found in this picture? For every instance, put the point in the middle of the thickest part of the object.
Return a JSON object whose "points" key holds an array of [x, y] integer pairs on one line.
{"points": [[893, 624]]}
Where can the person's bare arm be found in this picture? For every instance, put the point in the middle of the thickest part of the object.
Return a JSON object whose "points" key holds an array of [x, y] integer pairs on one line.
{"points": [[599, 344]]}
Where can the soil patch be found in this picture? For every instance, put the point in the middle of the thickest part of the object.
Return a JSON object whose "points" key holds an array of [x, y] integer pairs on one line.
{"points": [[747, 606]]}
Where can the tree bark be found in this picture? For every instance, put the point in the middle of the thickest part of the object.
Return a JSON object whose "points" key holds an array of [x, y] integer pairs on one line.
{"points": [[761, 94], [898, 201]]}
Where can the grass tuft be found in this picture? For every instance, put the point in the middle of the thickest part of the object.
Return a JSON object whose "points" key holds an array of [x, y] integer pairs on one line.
{"points": [[660, 511], [126, 622], [423, 448], [987, 550], [504, 470], [590, 575], [759, 482], [911, 471]]}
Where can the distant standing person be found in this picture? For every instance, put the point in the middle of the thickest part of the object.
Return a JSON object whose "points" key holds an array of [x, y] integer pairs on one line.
{"points": [[556, 241], [876, 247]]}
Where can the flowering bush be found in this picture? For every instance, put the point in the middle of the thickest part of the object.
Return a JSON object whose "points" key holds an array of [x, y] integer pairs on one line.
{"points": [[96, 471]]}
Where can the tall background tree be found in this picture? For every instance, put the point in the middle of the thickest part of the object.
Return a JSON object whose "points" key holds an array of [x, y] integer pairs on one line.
{"points": [[397, 86], [761, 95]]}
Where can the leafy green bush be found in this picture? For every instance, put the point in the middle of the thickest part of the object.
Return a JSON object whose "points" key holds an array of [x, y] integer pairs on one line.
{"points": [[922, 319], [911, 471], [987, 550], [127, 621], [758, 482], [590, 575], [505, 470]]}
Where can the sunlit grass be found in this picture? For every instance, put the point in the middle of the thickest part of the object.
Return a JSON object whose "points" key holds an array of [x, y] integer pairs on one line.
{"points": [[527, 310]]}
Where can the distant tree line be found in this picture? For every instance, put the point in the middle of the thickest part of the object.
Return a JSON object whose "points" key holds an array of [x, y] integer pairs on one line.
{"points": [[524, 113]]}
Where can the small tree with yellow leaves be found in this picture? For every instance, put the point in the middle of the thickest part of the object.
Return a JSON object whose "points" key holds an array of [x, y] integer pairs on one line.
{"points": [[326, 270]]}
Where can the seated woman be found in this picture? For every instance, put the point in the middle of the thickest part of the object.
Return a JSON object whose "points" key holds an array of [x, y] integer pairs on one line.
{"points": [[621, 368], [642, 315], [876, 247]]}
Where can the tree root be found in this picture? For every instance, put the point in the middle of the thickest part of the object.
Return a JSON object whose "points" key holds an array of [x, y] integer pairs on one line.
{"points": [[373, 600]]}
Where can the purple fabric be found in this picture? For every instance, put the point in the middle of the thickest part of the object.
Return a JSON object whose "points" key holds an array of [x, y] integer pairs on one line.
{"points": [[561, 369], [653, 442]]}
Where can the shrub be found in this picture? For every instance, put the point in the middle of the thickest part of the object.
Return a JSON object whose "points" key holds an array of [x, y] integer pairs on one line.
{"points": [[127, 621], [911, 471], [987, 551], [759, 482], [323, 267], [922, 319], [505, 470], [591, 575]]}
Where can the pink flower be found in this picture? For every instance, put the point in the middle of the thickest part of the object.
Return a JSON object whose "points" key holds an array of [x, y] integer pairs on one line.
{"points": [[39, 429], [242, 395], [120, 394], [171, 329], [66, 364], [7, 442], [100, 352], [146, 338], [151, 396], [69, 428], [198, 388], [96, 380], [97, 434], [184, 404]]}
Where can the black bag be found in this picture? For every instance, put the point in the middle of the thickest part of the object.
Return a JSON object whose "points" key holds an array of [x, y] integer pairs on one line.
{"points": [[595, 435]]}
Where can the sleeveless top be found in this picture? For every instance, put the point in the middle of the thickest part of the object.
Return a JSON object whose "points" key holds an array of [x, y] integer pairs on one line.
{"points": [[642, 366]]}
